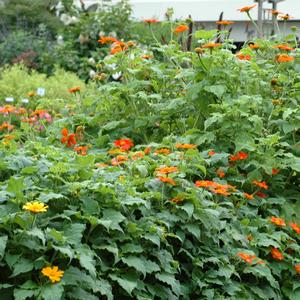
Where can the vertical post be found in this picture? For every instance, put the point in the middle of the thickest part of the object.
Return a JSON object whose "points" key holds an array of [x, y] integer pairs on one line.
{"points": [[274, 18], [260, 19]]}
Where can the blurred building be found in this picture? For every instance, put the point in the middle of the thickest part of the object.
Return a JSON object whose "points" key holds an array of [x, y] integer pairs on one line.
{"points": [[207, 12]]}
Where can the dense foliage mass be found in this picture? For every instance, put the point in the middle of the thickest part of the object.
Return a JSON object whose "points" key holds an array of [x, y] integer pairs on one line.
{"points": [[172, 175]]}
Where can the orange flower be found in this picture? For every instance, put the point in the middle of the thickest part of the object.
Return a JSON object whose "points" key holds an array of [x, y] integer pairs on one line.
{"points": [[261, 194], [276, 254], [275, 12], [238, 156], [101, 165], [224, 22], [297, 269], [278, 221], [67, 139], [107, 40], [296, 227], [74, 90], [177, 199], [167, 180], [31, 94], [261, 184], [147, 150], [138, 155], [214, 187], [211, 45], [7, 109], [243, 56], [151, 21], [283, 47], [246, 257], [147, 56], [248, 196], [285, 17], [220, 173], [7, 126], [283, 58], [81, 150], [167, 170], [275, 171], [254, 46], [246, 8], [185, 146], [120, 159], [181, 28], [211, 153], [162, 151], [54, 273], [124, 144]]}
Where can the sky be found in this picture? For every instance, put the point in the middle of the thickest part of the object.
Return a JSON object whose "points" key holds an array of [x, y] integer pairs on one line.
{"points": [[205, 9]]}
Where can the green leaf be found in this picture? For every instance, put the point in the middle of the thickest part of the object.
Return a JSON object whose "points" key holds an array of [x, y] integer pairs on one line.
{"points": [[21, 294], [16, 186], [205, 34], [52, 292], [111, 219], [23, 265], [74, 232], [3, 241], [128, 282], [188, 207], [86, 260], [135, 262], [170, 280]]}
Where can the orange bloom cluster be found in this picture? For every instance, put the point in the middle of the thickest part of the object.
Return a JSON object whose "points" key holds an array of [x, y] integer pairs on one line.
{"points": [[246, 8], [68, 139], [124, 144], [138, 155], [241, 56], [261, 184], [165, 151], [220, 173], [248, 196], [284, 58], [7, 126], [167, 180], [246, 257], [167, 170], [81, 150], [254, 46], [211, 45], [74, 90], [118, 47], [286, 17], [276, 254], [211, 153], [275, 171], [147, 56], [107, 40], [151, 21], [216, 188], [177, 199], [224, 22], [238, 156], [120, 159], [147, 150], [181, 28], [283, 47], [31, 94], [296, 227], [278, 221], [297, 269], [275, 12], [185, 146], [261, 194]]}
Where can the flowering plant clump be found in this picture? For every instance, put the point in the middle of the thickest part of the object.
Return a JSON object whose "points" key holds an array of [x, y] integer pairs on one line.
{"points": [[173, 174]]}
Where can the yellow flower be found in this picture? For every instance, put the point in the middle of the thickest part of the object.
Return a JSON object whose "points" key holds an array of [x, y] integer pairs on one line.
{"points": [[54, 274], [35, 207]]}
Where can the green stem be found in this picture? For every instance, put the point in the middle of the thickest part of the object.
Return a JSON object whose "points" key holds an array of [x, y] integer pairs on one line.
{"points": [[254, 24]]}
